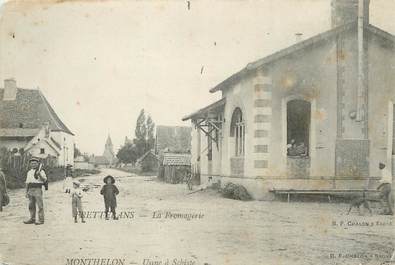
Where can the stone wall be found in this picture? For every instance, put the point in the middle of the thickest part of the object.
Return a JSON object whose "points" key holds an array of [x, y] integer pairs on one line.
{"points": [[237, 166]]}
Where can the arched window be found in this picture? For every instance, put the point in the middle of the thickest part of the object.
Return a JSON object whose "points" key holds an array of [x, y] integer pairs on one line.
{"points": [[237, 130]]}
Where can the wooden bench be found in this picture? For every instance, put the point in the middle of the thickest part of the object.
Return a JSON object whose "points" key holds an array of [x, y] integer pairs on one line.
{"points": [[327, 192]]}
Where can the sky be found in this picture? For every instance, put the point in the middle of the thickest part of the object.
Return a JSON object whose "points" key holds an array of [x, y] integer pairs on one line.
{"points": [[100, 62]]}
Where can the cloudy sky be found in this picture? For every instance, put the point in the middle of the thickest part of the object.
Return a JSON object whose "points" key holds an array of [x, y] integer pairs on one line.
{"points": [[100, 62]]}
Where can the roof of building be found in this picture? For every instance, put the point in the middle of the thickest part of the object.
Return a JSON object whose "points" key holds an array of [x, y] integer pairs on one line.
{"points": [[171, 159], [18, 132], [30, 110], [330, 34], [146, 155], [98, 160], [55, 143], [173, 138], [79, 159], [46, 141], [204, 112]]}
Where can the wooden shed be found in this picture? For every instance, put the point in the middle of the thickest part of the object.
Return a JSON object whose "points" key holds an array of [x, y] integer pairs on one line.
{"points": [[174, 167], [148, 162]]}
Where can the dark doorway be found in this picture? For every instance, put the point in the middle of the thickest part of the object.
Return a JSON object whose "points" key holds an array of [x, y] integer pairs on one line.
{"points": [[298, 127]]}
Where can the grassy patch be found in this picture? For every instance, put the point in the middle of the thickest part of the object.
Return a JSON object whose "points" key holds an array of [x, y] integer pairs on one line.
{"points": [[85, 172], [136, 171]]}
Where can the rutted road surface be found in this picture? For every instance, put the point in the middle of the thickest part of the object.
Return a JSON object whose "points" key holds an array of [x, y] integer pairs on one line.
{"points": [[154, 228]]}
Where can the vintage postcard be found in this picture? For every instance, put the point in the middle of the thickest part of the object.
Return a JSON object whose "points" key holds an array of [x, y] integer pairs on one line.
{"points": [[197, 132]]}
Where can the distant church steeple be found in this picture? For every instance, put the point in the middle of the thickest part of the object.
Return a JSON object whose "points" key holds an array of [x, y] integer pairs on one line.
{"points": [[109, 150]]}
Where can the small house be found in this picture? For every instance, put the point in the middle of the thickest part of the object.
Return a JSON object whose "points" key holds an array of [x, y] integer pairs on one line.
{"points": [[99, 161], [174, 167], [81, 163], [29, 124], [175, 139], [148, 162]]}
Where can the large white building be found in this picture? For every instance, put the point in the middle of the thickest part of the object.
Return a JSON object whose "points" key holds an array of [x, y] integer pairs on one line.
{"points": [[317, 115], [28, 123]]}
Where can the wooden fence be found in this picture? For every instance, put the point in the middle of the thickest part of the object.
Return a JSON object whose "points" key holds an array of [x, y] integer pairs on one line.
{"points": [[15, 166]]}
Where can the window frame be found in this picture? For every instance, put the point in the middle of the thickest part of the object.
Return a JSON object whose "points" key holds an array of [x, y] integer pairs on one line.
{"points": [[238, 132], [307, 136]]}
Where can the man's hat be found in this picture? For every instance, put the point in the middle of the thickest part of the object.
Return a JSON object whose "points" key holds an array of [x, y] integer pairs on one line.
{"points": [[109, 177], [381, 165], [34, 159], [69, 166]]}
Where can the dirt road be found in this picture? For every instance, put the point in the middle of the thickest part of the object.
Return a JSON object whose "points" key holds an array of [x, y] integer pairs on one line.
{"points": [[154, 229]]}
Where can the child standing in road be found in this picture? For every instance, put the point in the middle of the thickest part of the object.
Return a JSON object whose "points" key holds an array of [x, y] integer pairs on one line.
{"points": [[109, 192], [76, 204], [67, 183]]}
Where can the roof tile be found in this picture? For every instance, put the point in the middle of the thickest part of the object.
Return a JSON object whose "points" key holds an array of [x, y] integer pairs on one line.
{"points": [[30, 110], [170, 159]]}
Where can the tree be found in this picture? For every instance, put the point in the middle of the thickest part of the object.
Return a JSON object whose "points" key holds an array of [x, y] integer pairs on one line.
{"points": [[140, 134], [127, 154], [77, 152], [143, 141], [144, 133], [150, 133], [86, 157]]}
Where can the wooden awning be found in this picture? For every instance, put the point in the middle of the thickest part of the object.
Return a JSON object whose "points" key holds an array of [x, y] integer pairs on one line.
{"points": [[209, 119], [211, 110]]}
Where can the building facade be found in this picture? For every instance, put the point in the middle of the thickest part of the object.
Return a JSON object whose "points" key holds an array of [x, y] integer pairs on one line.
{"points": [[28, 123], [81, 163], [175, 139], [316, 115]]}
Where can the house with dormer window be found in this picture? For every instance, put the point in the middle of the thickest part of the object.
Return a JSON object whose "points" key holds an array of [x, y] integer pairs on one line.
{"points": [[28, 123]]}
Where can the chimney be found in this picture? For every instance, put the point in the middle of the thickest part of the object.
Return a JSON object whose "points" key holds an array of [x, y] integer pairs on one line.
{"points": [[346, 11], [10, 89]]}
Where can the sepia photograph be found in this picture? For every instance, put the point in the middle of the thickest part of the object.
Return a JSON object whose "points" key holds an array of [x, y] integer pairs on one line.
{"points": [[197, 132]]}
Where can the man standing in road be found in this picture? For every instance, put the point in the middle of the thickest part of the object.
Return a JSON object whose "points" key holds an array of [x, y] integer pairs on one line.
{"points": [[35, 180], [3, 190], [68, 181], [385, 188]]}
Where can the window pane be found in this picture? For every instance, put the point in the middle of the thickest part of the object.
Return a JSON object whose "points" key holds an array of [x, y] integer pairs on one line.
{"points": [[237, 131]]}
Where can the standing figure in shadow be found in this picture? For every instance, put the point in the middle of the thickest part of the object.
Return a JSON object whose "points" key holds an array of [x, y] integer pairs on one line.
{"points": [[4, 199], [110, 192]]}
